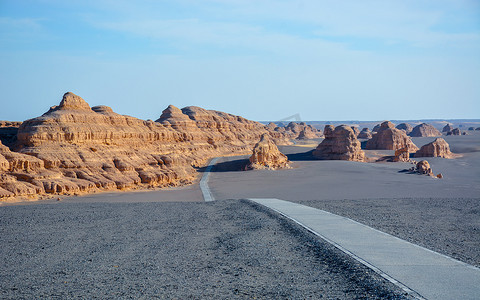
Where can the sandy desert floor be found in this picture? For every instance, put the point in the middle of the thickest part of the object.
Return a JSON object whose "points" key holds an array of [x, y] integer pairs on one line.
{"points": [[167, 244]]}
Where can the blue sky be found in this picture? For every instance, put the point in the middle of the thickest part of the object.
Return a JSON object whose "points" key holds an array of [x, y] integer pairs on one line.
{"points": [[264, 60]]}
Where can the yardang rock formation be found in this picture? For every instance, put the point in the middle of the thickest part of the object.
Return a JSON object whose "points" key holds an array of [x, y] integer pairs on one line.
{"points": [[424, 130], [267, 156], [437, 148], [74, 149], [340, 143], [390, 138]]}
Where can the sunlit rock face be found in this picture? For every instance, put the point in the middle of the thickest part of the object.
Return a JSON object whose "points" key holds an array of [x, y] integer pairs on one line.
{"points": [[74, 148], [267, 156], [340, 143], [390, 138]]}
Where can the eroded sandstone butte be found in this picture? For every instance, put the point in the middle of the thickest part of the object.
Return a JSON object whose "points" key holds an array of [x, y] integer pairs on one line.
{"points": [[405, 127], [74, 149], [447, 128], [437, 148], [424, 130], [454, 131], [390, 138], [340, 143], [267, 156]]}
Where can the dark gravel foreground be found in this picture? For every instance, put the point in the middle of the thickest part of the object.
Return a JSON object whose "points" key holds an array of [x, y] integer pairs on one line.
{"points": [[447, 225], [222, 250]]}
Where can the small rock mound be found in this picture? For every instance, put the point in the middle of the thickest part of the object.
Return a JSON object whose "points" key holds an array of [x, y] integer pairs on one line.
{"points": [[390, 138], [267, 156], [423, 167], [454, 131], [402, 155], [405, 127], [424, 130], [365, 134], [437, 148], [447, 128], [340, 143]]}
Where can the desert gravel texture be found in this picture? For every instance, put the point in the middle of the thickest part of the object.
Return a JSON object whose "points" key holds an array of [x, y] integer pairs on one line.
{"points": [[221, 250], [440, 214]]}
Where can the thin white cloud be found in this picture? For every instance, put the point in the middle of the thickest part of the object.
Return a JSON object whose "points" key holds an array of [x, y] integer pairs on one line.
{"points": [[247, 23]]}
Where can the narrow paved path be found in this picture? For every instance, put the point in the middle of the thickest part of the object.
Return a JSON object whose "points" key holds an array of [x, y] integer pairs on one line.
{"points": [[419, 271], [422, 273]]}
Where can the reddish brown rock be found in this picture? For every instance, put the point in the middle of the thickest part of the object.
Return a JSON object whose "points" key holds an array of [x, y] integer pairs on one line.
{"points": [[390, 138], [437, 148], [402, 155], [405, 127], [365, 134], [424, 130], [340, 143], [423, 167], [454, 131], [267, 156], [447, 128]]}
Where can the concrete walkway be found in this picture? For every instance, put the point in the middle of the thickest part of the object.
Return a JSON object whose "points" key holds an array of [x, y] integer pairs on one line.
{"points": [[423, 273]]}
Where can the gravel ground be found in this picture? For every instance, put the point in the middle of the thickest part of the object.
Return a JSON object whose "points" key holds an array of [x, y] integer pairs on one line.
{"points": [[447, 225], [225, 249]]}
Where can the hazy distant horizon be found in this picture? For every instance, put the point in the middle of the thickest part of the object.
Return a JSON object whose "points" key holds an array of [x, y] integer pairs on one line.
{"points": [[257, 59]]}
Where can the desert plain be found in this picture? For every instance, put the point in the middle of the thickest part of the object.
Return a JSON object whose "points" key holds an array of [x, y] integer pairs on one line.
{"points": [[104, 223]]}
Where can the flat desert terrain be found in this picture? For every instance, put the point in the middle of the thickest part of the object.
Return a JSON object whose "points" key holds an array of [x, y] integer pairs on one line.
{"points": [[170, 244], [439, 214]]}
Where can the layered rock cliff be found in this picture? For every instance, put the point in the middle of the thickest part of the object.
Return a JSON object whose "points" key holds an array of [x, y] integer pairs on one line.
{"points": [[74, 149]]}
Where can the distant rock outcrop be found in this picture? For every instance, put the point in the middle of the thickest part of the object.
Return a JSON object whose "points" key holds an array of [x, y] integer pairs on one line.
{"points": [[340, 143], [424, 130], [302, 131], [437, 148], [365, 134], [390, 138], [299, 131], [267, 156], [454, 131], [447, 128], [405, 127]]}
